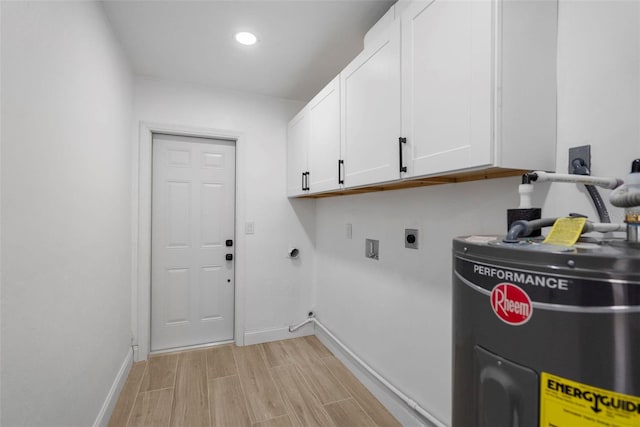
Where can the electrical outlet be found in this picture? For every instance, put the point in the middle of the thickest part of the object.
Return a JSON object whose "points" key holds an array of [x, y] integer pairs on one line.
{"points": [[411, 238], [583, 152]]}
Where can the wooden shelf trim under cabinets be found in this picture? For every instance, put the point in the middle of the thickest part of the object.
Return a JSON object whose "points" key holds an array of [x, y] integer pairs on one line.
{"points": [[490, 173]]}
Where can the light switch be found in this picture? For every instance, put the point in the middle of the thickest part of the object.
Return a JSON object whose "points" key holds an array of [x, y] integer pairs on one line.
{"points": [[249, 227]]}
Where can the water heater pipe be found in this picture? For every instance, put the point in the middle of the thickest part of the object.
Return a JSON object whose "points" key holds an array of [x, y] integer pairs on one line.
{"points": [[524, 228], [603, 227], [624, 198], [601, 208], [410, 402], [525, 191], [628, 195], [605, 182], [580, 168]]}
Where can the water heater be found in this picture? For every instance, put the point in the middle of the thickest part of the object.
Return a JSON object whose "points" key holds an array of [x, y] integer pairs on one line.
{"points": [[545, 335]]}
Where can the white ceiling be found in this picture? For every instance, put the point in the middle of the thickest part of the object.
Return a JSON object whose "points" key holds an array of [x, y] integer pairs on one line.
{"points": [[302, 44]]}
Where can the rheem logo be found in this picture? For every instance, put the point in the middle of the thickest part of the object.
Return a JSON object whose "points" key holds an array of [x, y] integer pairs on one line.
{"points": [[511, 304]]}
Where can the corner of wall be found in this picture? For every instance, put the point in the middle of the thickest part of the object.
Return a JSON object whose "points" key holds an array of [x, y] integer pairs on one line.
{"points": [[102, 420], [1, 138], [275, 334], [397, 408], [380, 26]]}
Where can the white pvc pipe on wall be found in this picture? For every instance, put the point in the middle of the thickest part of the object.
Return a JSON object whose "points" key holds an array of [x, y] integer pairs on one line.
{"points": [[406, 399], [605, 182]]}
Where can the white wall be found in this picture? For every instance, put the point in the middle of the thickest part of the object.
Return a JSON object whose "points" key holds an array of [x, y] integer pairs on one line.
{"points": [[396, 313], [0, 219], [598, 94], [277, 290], [66, 114]]}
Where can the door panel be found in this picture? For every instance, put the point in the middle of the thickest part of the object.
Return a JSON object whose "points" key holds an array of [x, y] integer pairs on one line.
{"points": [[297, 143], [192, 285], [370, 91], [178, 203], [209, 292], [324, 140], [447, 86], [177, 303], [212, 197]]}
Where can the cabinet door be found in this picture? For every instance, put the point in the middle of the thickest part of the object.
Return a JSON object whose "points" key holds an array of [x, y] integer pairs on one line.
{"points": [[297, 142], [370, 93], [324, 140], [447, 85]]}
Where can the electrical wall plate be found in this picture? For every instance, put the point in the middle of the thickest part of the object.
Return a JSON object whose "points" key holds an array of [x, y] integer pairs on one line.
{"points": [[249, 227], [582, 152], [371, 248], [411, 238]]}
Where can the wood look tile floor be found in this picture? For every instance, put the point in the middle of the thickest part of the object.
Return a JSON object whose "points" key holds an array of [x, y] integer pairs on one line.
{"points": [[295, 382]]}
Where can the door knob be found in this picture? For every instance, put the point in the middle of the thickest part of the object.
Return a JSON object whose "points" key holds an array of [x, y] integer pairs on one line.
{"points": [[229, 257]]}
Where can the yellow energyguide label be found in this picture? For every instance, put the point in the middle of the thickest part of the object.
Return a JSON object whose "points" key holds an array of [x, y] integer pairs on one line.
{"points": [[565, 231], [566, 403]]}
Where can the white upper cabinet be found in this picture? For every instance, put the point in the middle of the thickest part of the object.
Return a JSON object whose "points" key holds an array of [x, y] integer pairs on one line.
{"points": [[465, 88], [313, 144], [479, 85], [370, 91], [297, 143], [324, 139]]}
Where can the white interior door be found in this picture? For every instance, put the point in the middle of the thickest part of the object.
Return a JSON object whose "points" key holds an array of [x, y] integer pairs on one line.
{"points": [[192, 282]]}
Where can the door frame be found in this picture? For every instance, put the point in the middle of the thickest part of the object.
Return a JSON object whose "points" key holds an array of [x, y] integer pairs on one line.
{"points": [[141, 230]]}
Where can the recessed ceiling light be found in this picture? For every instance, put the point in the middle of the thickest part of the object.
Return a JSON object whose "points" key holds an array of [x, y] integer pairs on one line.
{"points": [[246, 38]]}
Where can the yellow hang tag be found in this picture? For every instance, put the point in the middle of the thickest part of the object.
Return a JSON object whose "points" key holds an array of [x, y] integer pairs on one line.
{"points": [[565, 231]]}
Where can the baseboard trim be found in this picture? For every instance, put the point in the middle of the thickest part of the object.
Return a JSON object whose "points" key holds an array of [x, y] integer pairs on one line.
{"points": [[190, 347], [276, 334], [102, 420], [405, 415]]}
